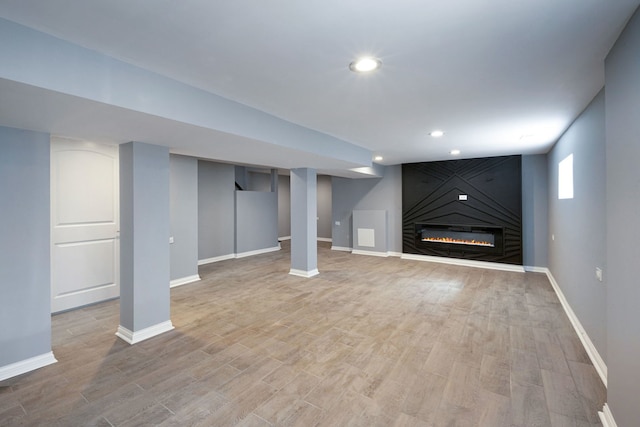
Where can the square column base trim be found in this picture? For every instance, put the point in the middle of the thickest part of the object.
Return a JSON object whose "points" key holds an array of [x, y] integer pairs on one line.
{"points": [[303, 273], [606, 417], [27, 365], [131, 337]]}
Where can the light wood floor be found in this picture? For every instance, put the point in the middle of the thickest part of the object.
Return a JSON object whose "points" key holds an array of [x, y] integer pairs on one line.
{"points": [[369, 342]]}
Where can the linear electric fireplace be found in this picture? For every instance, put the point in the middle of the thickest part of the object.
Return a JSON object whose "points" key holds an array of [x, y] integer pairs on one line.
{"points": [[457, 239]]}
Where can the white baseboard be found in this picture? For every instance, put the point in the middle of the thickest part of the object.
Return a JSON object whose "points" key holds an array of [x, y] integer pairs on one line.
{"points": [[258, 252], [607, 417], [216, 259], [184, 280], [284, 238], [303, 273], [533, 269], [369, 253], [340, 248], [395, 254], [27, 365], [143, 334], [465, 262], [591, 350], [325, 239]]}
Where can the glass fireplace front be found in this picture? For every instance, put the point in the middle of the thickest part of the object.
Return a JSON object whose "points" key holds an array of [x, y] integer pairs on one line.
{"points": [[465, 238]]}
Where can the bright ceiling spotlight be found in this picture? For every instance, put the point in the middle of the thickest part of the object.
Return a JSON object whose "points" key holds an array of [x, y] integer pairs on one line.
{"points": [[365, 65], [378, 158], [454, 152], [437, 133]]}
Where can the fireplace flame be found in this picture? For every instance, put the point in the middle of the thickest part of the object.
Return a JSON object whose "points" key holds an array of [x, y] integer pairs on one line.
{"points": [[457, 241]]}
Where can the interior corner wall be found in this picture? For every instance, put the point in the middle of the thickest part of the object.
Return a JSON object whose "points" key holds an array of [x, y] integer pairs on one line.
{"points": [[535, 206], [258, 181], [622, 103], [216, 210], [324, 206], [577, 226], [184, 216], [368, 194], [256, 221], [25, 273], [284, 206]]}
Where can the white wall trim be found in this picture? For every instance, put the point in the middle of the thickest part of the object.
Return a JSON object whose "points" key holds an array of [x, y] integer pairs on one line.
{"points": [[216, 259], [302, 273], [591, 350], [143, 334], [395, 254], [27, 365], [533, 269], [340, 248], [258, 252], [325, 239], [465, 262], [284, 238], [607, 417], [370, 253], [184, 280]]}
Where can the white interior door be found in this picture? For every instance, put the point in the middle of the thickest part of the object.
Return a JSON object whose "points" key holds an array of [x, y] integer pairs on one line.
{"points": [[84, 223]]}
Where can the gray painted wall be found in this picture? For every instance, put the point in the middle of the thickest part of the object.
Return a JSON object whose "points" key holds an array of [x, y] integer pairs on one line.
{"points": [[622, 71], [324, 206], [325, 210], [258, 181], [256, 221], [216, 209], [578, 224], [144, 235], [25, 274], [368, 194], [370, 220], [184, 216], [284, 206], [535, 207]]}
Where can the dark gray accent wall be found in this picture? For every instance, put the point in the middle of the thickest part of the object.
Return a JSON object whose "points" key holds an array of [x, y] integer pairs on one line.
{"points": [[492, 190], [535, 207], [144, 235], [216, 209], [184, 216], [622, 103], [368, 194], [25, 274], [577, 226], [256, 221], [284, 206], [324, 206]]}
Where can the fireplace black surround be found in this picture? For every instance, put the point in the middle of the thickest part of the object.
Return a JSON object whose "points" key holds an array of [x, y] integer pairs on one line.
{"points": [[447, 205]]}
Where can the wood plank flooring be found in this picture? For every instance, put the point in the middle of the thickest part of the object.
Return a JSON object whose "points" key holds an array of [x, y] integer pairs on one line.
{"points": [[369, 342]]}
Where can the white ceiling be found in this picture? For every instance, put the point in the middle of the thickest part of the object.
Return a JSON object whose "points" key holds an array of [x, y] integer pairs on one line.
{"points": [[499, 77]]}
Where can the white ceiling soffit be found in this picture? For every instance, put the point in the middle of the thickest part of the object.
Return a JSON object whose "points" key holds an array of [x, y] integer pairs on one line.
{"points": [[499, 77]]}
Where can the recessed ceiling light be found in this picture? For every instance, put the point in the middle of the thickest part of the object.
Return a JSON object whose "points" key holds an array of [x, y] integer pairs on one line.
{"points": [[365, 65], [437, 133], [377, 158], [454, 152]]}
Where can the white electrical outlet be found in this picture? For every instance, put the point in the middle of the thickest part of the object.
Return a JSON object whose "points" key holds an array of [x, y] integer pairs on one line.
{"points": [[170, 239], [599, 274]]}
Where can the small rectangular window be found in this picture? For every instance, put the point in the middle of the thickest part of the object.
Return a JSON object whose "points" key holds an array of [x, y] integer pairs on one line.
{"points": [[565, 178]]}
